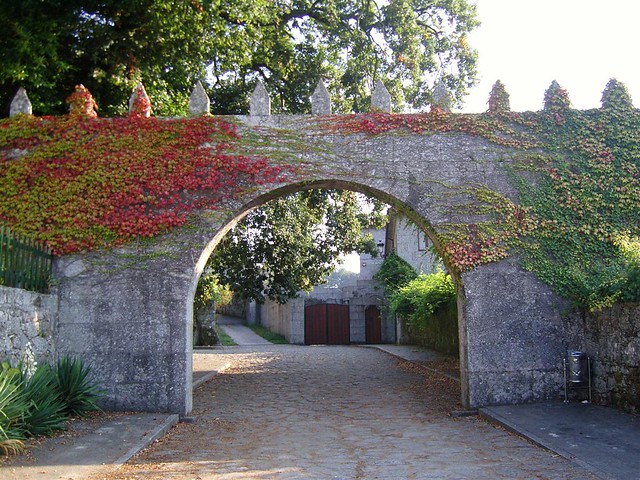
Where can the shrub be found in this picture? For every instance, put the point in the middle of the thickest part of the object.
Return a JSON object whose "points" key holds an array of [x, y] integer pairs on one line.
{"points": [[78, 393], [47, 411], [13, 406], [428, 304], [39, 404], [419, 298]]}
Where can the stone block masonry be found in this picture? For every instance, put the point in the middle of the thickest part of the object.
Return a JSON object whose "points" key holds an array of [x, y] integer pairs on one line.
{"points": [[611, 337], [127, 312], [26, 326]]}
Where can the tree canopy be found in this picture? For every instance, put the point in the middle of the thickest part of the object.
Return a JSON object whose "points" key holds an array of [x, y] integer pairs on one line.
{"points": [[109, 45], [292, 243]]}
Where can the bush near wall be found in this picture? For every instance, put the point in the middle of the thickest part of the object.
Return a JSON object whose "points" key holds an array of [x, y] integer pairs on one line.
{"points": [[428, 308], [439, 332]]}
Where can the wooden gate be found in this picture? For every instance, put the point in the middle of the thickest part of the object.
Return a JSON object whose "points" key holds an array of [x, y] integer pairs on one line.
{"points": [[372, 325], [326, 324]]}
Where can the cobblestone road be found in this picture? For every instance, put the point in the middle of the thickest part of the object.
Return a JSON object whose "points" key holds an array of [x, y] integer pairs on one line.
{"points": [[291, 412]]}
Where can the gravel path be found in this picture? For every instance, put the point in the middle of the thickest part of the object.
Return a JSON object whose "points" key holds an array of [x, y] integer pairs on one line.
{"points": [[293, 412]]}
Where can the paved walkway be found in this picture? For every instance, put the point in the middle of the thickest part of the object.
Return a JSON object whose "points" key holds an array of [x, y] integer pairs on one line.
{"points": [[240, 333], [603, 440], [295, 412], [90, 446]]}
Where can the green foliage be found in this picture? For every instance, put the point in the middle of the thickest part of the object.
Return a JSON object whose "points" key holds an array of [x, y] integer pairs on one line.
{"points": [[268, 334], [556, 99], [616, 97], [290, 244], [209, 290], [341, 277], [630, 251], [584, 167], [78, 392], [418, 299], [39, 404], [47, 412], [13, 406], [587, 202], [47, 47], [394, 273]]}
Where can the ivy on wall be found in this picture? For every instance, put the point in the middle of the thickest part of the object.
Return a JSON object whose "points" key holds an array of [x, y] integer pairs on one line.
{"points": [[578, 228], [80, 182]]}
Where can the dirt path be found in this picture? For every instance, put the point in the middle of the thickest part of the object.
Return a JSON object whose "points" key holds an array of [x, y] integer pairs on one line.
{"points": [[291, 412]]}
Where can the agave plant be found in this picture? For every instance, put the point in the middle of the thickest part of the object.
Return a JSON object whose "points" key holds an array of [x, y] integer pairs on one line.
{"points": [[47, 412], [13, 406], [77, 391]]}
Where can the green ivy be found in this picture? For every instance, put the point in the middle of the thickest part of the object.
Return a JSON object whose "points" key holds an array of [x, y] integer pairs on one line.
{"points": [[394, 273]]}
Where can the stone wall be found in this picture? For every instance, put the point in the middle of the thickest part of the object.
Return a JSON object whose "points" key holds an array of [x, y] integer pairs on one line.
{"points": [[26, 326], [128, 311], [611, 337], [284, 319]]}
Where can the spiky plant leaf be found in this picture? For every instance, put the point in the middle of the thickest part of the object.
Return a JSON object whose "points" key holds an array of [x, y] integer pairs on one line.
{"points": [[47, 412], [77, 391]]}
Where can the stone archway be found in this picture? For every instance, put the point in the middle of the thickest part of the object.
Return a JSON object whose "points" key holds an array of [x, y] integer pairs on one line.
{"points": [[128, 311]]}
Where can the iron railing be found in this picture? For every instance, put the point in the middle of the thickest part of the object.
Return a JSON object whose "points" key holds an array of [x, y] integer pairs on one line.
{"points": [[24, 262]]}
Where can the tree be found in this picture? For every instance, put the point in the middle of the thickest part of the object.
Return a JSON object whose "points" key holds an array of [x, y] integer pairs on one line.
{"points": [[291, 243], [49, 46]]}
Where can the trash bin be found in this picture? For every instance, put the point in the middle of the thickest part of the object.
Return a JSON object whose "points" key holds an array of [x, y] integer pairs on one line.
{"points": [[577, 373], [577, 368]]}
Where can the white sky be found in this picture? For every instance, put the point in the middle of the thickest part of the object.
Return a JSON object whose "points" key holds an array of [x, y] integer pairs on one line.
{"points": [[580, 43]]}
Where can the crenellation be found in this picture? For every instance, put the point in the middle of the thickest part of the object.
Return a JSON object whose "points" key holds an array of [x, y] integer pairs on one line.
{"points": [[380, 98], [20, 104], [260, 103], [199, 103], [320, 100]]}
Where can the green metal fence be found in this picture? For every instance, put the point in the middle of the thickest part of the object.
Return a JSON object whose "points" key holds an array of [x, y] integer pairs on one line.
{"points": [[24, 263]]}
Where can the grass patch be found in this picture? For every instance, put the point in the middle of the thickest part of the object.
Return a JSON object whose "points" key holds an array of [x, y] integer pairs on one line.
{"points": [[224, 339], [268, 334]]}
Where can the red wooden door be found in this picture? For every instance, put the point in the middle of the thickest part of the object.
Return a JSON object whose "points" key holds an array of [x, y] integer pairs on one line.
{"points": [[372, 325], [315, 324], [338, 332], [326, 324]]}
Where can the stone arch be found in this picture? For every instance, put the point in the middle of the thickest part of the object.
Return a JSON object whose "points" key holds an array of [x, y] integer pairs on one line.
{"points": [[127, 311]]}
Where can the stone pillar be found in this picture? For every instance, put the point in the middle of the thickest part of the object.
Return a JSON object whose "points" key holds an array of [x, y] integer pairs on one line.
{"points": [[139, 103], [20, 104], [512, 337], [260, 103], [320, 100], [381, 99], [441, 98], [199, 103]]}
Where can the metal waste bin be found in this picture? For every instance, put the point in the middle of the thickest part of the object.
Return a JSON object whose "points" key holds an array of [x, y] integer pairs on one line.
{"points": [[577, 373], [577, 367]]}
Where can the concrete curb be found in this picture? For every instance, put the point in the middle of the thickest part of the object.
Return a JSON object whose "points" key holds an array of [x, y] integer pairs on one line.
{"points": [[158, 432], [398, 355], [208, 376]]}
